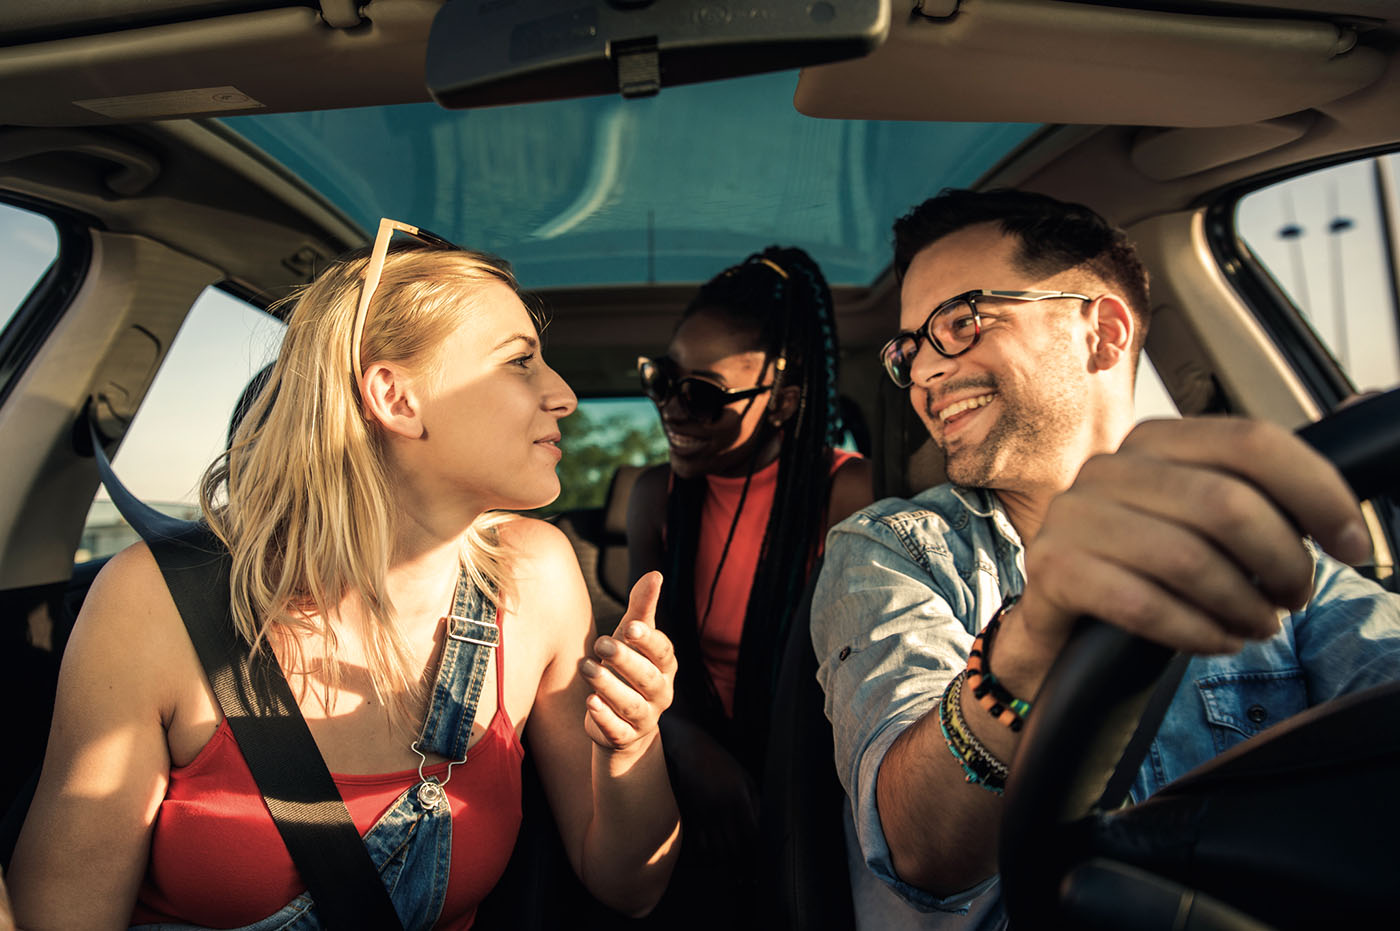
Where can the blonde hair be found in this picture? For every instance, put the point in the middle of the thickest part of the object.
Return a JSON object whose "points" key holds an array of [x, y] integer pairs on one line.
{"points": [[302, 497]]}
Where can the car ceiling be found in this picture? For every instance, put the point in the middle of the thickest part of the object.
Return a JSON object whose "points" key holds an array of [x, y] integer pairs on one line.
{"points": [[1162, 102]]}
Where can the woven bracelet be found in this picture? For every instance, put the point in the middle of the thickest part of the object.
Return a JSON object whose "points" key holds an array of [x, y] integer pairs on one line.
{"points": [[987, 688], [979, 765], [963, 732]]}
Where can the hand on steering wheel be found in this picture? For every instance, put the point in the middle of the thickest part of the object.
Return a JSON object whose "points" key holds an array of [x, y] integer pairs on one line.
{"points": [[1189, 536], [1252, 477]]}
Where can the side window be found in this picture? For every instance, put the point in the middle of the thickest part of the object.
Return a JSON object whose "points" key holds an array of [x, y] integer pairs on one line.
{"points": [[601, 435], [1329, 240], [28, 245], [182, 424], [1151, 400]]}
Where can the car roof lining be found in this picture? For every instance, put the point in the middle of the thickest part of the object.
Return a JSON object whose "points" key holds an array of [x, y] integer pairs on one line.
{"points": [[1054, 62], [1068, 62], [199, 188]]}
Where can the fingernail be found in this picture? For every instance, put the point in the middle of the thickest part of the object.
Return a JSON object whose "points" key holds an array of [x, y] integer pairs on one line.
{"points": [[605, 647], [589, 668], [1353, 543], [636, 630]]}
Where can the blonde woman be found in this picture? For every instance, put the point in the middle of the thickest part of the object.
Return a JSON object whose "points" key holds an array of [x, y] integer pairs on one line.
{"points": [[361, 501]]}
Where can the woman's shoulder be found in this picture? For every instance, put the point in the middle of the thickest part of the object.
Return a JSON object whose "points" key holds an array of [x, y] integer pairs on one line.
{"points": [[653, 483], [130, 582], [530, 540], [541, 559], [646, 507], [851, 488], [129, 625], [545, 579]]}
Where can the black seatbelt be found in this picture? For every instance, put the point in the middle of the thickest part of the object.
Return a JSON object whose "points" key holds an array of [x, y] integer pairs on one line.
{"points": [[272, 735], [1122, 779]]}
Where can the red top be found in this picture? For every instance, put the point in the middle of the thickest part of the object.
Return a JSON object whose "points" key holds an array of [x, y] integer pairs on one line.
{"points": [[218, 861], [721, 629]]}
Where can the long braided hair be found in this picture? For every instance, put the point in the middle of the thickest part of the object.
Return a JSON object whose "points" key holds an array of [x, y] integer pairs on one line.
{"points": [[781, 296]]}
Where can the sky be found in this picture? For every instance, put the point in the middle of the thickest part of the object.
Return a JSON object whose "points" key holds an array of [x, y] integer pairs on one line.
{"points": [[30, 243], [1321, 237]]}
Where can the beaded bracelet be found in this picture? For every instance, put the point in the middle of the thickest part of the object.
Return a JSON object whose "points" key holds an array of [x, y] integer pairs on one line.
{"points": [[987, 688], [962, 731], [979, 765]]}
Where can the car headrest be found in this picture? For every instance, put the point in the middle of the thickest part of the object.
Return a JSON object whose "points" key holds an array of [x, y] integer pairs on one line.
{"points": [[619, 494], [906, 460]]}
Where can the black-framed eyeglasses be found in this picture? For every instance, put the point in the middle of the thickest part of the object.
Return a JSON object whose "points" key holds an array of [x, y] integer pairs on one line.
{"points": [[952, 329], [702, 399], [373, 270]]}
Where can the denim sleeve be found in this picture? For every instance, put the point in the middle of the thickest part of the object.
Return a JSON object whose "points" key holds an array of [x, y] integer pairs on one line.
{"points": [[1348, 637], [888, 639]]}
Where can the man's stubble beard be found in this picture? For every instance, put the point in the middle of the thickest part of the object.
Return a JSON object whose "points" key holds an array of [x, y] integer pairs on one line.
{"points": [[1026, 431]]}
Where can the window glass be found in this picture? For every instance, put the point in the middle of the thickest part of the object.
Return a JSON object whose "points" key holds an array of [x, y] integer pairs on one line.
{"points": [[601, 190], [28, 246], [183, 422], [601, 435], [1151, 400], [1327, 239]]}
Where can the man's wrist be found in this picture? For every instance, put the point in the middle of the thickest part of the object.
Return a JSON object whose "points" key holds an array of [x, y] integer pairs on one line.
{"points": [[1023, 656]]}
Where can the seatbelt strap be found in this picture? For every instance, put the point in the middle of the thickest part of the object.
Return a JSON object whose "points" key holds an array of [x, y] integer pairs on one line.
{"points": [[272, 735], [1126, 771]]}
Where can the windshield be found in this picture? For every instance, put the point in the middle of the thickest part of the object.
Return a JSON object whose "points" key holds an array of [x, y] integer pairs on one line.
{"points": [[666, 189]]}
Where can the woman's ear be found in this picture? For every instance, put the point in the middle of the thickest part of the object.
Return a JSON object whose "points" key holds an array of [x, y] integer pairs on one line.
{"points": [[1111, 332], [389, 400], [784, 405]]}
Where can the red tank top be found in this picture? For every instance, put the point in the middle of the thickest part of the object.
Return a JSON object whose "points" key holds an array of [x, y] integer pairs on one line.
{"points": [[723, 625], [218, 861]]}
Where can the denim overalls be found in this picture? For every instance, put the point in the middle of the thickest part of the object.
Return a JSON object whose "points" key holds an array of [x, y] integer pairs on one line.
{"points": [[411, 843]]}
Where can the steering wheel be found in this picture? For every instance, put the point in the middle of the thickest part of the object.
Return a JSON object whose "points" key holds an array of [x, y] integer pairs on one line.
{"points": [[1282, 830]]}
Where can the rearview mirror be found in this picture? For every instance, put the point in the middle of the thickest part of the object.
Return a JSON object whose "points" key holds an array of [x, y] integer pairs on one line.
{"points": [[491, 52]]}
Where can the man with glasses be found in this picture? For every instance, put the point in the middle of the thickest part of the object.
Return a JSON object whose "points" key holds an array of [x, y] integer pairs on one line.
{"points": [[1022, 322]]}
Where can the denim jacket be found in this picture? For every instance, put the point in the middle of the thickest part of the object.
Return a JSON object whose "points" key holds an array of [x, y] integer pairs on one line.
{"points": [[905, 586]]}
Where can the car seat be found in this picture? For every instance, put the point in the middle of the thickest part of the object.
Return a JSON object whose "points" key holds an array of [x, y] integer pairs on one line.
{"points": [[599, 538], [904, 457], [807, 885]]}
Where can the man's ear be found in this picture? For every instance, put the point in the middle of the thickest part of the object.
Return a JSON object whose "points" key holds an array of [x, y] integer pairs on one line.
{"points": [[1111, 332], [390, 401], [784, 405]]}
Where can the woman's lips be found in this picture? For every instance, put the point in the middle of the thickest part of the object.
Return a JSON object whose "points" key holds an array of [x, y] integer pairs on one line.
{"points": [[682, 444]]}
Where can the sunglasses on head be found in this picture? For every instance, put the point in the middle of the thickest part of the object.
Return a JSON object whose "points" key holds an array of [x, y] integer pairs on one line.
{"points": [[373, 270], [702, 399]]}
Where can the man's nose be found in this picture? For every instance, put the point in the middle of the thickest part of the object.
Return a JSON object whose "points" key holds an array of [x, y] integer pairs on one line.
{"points": [[930, 364]]}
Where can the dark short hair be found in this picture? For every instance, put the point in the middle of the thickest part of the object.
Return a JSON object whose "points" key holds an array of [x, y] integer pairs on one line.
{"points": [[1054, 236]]}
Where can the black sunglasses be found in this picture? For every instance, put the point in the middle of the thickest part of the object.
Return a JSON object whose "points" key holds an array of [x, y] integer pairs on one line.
{"points": [[702, 399]]}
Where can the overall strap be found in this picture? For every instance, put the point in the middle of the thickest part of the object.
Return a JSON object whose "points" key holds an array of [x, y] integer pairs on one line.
{"points": [[472, 634], [271, 733]]}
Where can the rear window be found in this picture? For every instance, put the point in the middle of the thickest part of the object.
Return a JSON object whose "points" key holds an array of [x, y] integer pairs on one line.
{"points": [[601, 435]]}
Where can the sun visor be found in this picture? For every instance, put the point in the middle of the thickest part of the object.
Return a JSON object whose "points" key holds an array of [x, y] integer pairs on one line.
{"points": [[1049, 61], [487, 54]]}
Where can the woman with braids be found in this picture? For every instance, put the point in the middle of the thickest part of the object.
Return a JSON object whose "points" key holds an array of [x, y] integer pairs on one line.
{"points": [[747, 397], [363, 502]]}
